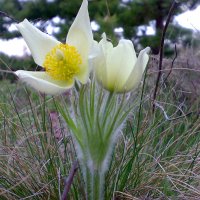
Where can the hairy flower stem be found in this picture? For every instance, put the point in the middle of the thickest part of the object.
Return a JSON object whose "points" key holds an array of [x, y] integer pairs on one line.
{"points": [[95, 184]]}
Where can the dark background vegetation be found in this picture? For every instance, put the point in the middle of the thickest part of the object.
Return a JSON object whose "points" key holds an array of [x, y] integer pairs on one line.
{"points": [[108, 14]]}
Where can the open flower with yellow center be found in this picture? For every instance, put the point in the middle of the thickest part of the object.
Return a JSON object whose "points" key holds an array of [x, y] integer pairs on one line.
{"points": [[62, 63], [117, 68]]}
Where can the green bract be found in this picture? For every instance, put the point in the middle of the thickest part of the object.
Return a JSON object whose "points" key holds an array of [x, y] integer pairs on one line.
{"points": [[98, 118]]}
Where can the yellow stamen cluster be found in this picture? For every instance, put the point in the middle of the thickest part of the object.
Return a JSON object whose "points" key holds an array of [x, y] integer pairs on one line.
{"points": [[62, 62]]}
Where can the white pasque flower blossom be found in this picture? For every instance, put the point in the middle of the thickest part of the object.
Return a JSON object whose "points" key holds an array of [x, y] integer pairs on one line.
{"points": [[118, 69], [63, 63]]}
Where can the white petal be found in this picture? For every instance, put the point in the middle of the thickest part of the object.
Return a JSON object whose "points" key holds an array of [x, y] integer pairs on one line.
{"points": [[138, 70], [42, 82], [95, 50], [120, 63], [80, 36], [103, 49], [38, 42], [99, 63], [83, 76], [105, 44]]}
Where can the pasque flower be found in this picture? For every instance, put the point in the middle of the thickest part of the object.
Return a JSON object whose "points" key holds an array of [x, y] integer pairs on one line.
{"points": [[117, 68], [62, 63]]}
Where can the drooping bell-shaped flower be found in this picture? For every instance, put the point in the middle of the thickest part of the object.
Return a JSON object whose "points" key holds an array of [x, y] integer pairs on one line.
{"points": [[118, 69], [62, 63]]}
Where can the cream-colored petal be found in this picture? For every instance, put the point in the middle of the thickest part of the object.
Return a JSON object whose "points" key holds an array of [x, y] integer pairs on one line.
{"points": [[100, 68], [103, 49], [120, 63], [38, 42], [105, 44], [43, 83], [83, 75], [138, 70], [95, 50], [80, 36]]}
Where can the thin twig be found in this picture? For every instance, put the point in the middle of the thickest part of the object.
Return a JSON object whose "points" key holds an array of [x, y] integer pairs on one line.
{"points": [[170, 71], [107, 7], [173, 7], [69, 180], [10, 17]]}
